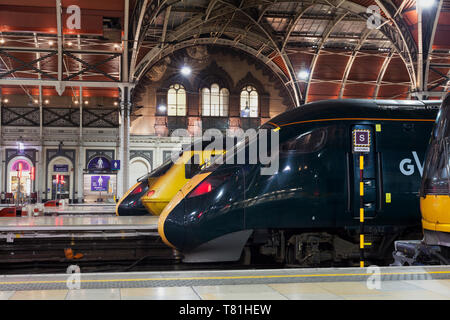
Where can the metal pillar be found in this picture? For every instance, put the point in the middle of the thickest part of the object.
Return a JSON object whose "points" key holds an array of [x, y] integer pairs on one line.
{"points": [[124, 140], [80, 175]]}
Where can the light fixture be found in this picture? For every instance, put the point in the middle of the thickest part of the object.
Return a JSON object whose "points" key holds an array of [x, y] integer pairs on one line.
{"points": [[162, 108], [50, 42], [46, 101], [5, 100], [116, 46], [116, 103], [69, 43], [185, 70], [36, 101], [86, 102], [76, 102], [425, 3], [303, 75], [2, 41]]}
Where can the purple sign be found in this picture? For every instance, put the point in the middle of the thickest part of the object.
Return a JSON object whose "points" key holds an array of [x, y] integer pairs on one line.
{"points": [[361, 140], [99, 163], [99, 183], [61, 168]]}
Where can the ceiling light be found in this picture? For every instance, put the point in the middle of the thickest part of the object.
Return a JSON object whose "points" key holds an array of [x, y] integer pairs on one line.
{"points": [[50, 43], [47, 101], [69, 43], [116, 103], [425, 3], [36, 101], [76, 102], [86, 102], [162, 108], [186, 71], [2, 41], [303, 75], [5, 100]]}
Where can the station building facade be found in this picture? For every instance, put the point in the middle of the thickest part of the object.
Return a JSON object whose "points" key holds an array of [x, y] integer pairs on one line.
{"points": [[67, 148]]}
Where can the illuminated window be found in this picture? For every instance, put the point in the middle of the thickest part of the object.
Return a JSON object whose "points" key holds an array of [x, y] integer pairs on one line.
{"points": [[215, 101], [176, 100], [249, 102]]}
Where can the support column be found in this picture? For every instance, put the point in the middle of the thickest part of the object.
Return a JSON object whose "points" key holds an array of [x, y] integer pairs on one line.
{"points": [[2, 183], [124, 140], [40, 170], [80, 174]]}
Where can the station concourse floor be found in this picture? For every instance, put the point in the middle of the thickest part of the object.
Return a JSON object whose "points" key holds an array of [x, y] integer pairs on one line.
{"points": [[396, 283]]}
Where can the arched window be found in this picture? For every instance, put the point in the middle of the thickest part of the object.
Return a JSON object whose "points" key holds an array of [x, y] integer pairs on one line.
{"points": [[176, 100], [249, 102], [215, 101]]}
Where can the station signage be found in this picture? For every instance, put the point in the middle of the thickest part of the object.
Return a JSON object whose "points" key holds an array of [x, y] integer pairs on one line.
{"points": [[115, 165], [61, 168], [99, 183]]}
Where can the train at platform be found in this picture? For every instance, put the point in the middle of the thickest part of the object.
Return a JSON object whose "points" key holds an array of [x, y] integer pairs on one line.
{"points": [[434, 247], [307, 212], [154, 190]]}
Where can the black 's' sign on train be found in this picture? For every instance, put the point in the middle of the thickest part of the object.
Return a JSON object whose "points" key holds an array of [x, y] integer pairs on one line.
{"points": [[308, 212]]}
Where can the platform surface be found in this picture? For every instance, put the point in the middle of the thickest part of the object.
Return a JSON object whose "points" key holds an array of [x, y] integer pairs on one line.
{"points": [[80, 209], [11, 224], [298, 284]]}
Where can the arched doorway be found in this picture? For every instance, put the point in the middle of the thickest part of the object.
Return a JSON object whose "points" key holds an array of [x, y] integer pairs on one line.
{"points": [[138, 167], [60, 178], [19, 176]]}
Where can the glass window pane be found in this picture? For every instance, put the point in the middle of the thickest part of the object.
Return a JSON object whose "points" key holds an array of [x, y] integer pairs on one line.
{"points": [[181, 102], [215, 100], [172, 102], [206, 99], [253, 104], [224, 99]]}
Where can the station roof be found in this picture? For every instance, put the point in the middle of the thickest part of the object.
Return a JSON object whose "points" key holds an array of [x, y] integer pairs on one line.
{"points": [[328, 39]]}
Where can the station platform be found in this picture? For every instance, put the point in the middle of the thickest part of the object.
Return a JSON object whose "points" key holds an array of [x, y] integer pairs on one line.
{"points": [[279, 284], [82, 209], [77, 223]]}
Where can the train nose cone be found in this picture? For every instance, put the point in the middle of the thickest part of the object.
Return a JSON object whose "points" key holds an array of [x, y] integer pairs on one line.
{"points": [[171, 223]]}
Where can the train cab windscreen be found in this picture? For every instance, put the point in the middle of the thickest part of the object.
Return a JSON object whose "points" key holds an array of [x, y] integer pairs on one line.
{"points": [[437, 166]]}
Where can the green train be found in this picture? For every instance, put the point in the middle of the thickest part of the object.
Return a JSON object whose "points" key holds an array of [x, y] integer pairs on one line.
{"points": [[308, 212]]}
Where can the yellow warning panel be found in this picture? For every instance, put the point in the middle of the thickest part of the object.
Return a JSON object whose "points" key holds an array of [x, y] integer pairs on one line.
{"points": [[378, 127], [388, 198]]}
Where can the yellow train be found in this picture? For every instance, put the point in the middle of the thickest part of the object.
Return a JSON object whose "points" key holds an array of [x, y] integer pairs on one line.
{"points": [[162, 190], [435, 190], [434, 200], [153, 191]]}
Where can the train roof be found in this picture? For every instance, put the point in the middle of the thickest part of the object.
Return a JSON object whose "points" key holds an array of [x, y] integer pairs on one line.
{"points": [[360, 108]]}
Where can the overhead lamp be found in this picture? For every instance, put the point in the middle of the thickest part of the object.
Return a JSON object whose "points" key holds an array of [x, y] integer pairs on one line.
{"points": [[86, 102], [185, 70], [162, 108], [116, 46], [69, 43], [76, 102], [50, 42], [303, 74], [46, 101], [36, 101], [116, 103], [425, 3], [6, 100], [2, 41]]}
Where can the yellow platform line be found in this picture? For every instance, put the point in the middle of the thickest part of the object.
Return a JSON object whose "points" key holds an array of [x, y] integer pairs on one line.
{"points": [[229, 277]]}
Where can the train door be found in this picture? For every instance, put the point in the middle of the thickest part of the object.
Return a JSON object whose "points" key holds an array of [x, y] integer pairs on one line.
{"points": [[364, 171]]}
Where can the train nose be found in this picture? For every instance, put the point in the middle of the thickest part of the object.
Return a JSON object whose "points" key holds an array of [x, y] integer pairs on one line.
{"points": [[171, 222]]}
